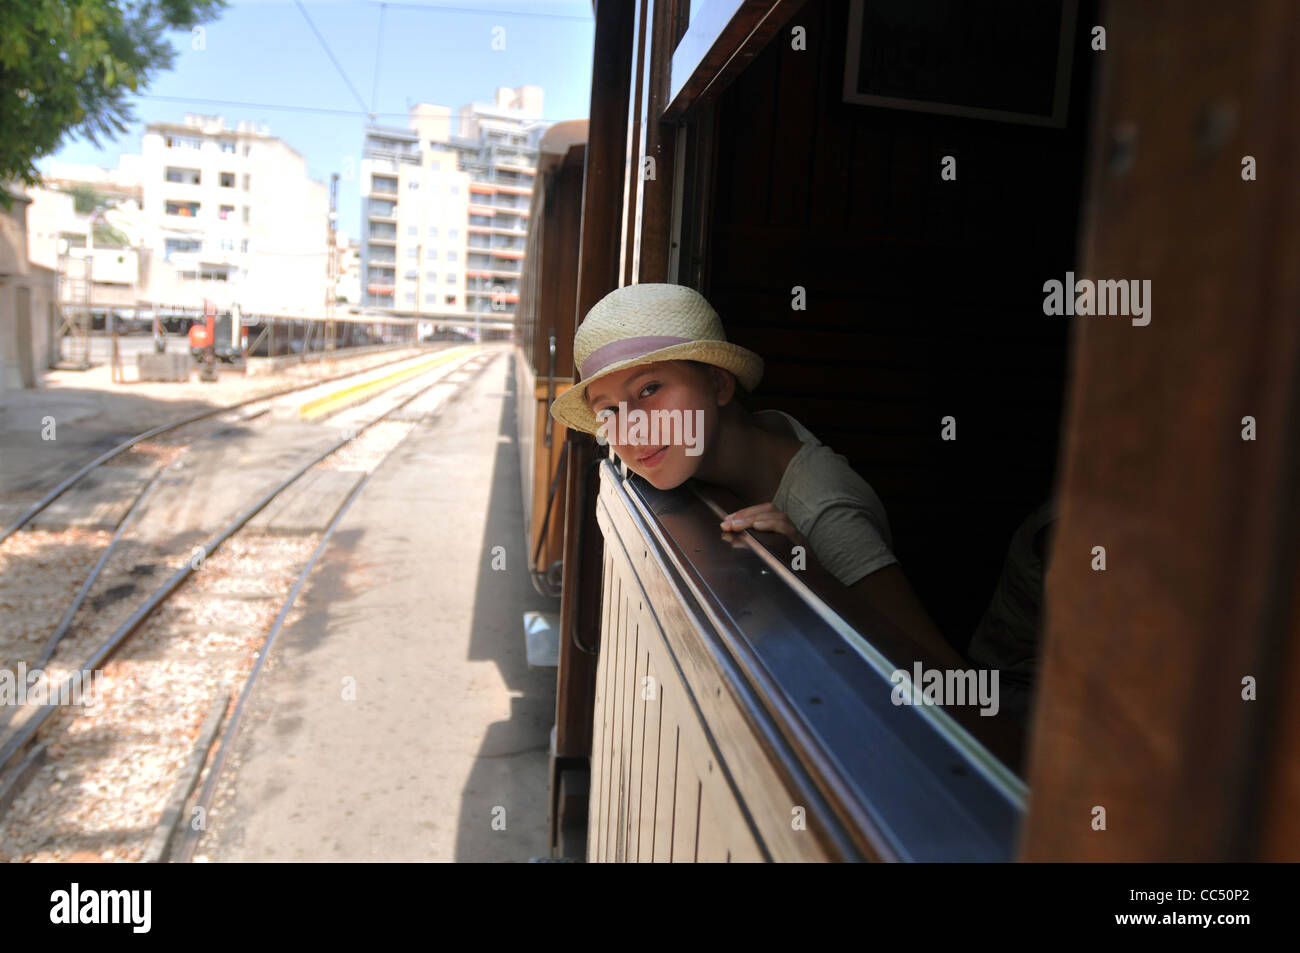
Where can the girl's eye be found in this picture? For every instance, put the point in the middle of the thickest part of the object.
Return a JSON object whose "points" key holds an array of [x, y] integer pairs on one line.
{"points": [[649, 389]]}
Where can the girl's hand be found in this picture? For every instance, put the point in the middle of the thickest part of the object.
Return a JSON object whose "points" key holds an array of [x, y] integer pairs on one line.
{"points": [[764, 517]]}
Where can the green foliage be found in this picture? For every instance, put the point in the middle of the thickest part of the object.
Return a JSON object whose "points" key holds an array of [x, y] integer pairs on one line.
{"points": [[70, 66], [106, 236], [85, 199]]}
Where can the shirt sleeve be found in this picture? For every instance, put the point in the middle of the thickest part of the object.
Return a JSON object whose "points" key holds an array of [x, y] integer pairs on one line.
{"points": [[847, 540]]}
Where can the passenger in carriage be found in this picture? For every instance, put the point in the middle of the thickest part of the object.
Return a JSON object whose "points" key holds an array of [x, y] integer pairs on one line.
{"points": [[660, 382]]}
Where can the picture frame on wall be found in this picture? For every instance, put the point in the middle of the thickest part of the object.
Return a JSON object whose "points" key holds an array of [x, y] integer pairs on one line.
{"points": [[1000, 60]]}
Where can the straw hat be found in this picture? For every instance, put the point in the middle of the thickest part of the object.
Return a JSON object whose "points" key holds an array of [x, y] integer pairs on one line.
{"points": [[642, 324]]}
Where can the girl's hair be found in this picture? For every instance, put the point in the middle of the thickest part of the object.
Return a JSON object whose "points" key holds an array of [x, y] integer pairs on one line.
{"points": [[742, 396]]}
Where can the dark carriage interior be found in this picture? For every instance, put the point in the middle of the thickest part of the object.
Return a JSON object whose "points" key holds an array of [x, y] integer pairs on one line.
{"points": [[924, 296]]}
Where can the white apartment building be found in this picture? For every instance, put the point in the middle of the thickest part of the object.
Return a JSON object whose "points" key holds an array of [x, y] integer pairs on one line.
{"points": [[209, 212], [414, 210], [499, 143], [231, 215], [445, 207]]}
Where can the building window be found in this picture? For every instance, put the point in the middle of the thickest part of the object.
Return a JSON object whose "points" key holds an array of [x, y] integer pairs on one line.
{"points": [[433, 231], [186, 209], [413, 253], [413, 229], [183, 142], [431, 275], [410, 297], [246, 150], [431, 299], [453, 233], [73, 239], [243, 246], [245, 214], [451, 279], [245, 181], [451, 256], [226, 212], [227, 180], [412, 274], [450, 299], [227, 244], [228, 146], [431, 254], [183, 176], [413, 185], [455, 190], [182, 245]]}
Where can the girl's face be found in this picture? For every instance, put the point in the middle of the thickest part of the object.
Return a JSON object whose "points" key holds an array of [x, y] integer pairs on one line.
{"points": [[695, 393]]}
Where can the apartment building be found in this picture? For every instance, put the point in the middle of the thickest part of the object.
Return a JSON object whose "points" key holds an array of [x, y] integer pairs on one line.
{"points": [[232, 215], [499, 146], [445, 206], [414, 209]]}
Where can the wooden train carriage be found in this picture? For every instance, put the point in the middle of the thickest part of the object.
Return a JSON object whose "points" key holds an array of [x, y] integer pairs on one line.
{"points": [[544, 340], [874, 195]]}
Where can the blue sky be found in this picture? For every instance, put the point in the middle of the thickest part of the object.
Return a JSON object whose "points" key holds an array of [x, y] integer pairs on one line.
{"points": [[264, 52]]}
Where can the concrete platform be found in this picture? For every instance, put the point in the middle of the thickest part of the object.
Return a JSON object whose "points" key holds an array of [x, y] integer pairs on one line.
{"points": [[398, 718], [309, 505], [221, 476]]}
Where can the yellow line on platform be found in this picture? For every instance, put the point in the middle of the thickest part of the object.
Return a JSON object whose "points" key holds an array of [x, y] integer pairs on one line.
{"points": [[350, 395]]}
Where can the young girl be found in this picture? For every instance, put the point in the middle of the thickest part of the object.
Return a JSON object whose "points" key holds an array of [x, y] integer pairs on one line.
{"points": [[659, 351]]}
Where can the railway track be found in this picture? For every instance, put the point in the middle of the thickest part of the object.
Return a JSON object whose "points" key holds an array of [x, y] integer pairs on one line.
{"points": [[53, 494], [50, 730], [321, 408]]}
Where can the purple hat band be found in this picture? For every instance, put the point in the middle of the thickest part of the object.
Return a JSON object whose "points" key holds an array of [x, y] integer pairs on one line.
{"points": [[626, 349]]}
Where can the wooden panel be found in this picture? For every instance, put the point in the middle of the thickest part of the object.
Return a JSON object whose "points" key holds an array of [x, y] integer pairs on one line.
{"points": [[599, 784], [651, 752], [614, 724], [632, 179], [712, 845], [1141, 695], [652, 230], [655, 760], [606, 155], [666, 803], [627, 704], [580, 624], [686, 813], [636, 759]]}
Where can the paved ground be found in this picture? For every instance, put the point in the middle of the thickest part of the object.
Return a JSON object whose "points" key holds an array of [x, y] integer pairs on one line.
{"points": [[397, 718]]}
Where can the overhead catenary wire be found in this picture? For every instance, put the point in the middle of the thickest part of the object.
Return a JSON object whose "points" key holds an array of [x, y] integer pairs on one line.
{"points": [[323, 110], [330, 53], [489, 11], [379, 46]]}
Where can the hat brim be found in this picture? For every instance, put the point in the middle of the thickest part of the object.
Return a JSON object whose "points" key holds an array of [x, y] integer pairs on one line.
{"points": [[571, 408]]}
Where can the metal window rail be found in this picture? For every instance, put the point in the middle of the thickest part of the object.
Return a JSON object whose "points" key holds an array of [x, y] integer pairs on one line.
{"points": [[904, 782]]}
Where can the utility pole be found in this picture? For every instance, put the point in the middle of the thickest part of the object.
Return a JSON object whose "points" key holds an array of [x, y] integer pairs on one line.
{"points": [[332, 266]]}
